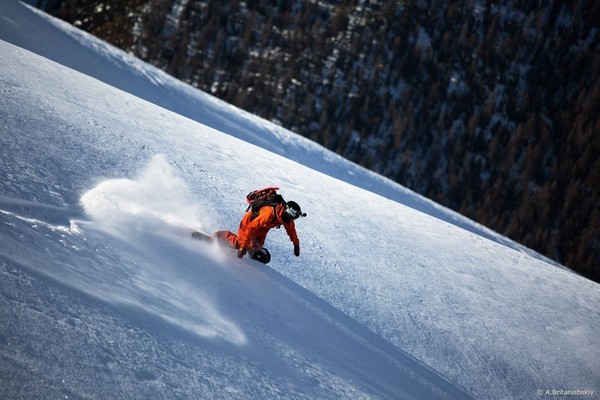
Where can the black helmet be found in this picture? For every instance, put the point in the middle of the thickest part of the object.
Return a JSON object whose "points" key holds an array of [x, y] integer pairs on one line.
{"points": [[292, 211]]}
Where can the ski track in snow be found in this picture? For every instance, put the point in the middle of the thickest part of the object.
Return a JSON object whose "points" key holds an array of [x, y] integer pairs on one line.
{"points": [[107, 260], [103, 293]]}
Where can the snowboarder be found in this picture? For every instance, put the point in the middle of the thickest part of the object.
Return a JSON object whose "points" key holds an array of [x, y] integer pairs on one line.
{"points": [[256, 223]]}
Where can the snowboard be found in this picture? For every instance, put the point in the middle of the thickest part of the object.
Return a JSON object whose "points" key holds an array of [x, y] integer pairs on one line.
{"points": [[261, 255]]}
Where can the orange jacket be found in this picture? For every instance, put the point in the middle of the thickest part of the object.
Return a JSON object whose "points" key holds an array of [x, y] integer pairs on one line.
{"points": [[253, 232]]}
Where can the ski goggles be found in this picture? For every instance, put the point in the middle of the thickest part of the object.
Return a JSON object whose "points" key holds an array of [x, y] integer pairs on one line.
{"points": [[293, 214]]}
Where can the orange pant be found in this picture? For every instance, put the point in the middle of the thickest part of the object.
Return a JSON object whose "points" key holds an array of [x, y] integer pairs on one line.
{"points": [[234, 241]]}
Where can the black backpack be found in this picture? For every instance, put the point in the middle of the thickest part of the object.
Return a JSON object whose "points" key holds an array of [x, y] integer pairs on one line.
{"points": [[263, 197]]}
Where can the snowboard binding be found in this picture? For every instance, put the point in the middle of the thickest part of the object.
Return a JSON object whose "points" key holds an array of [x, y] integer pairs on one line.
{"points": [[261, 255]]}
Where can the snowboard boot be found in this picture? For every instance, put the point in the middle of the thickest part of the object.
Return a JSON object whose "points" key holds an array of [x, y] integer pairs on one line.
{"points": [[261, 255]]}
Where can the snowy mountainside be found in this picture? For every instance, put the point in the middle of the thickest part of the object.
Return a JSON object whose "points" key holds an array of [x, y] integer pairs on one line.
{"points": [[96, 220], [52, 38], [105, 295], [435, 96]]}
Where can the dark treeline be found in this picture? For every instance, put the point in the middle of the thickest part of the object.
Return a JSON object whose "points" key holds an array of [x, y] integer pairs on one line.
{"points": [[491, 108]]}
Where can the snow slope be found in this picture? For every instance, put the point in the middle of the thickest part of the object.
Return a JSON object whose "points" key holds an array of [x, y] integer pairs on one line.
{"points": [[104, 295], [58, 41]]}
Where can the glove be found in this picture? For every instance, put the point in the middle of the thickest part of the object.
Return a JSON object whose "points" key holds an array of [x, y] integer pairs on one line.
{"points": [[297, 250], [241, 252]]}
